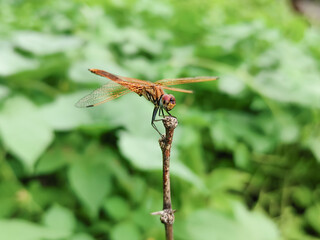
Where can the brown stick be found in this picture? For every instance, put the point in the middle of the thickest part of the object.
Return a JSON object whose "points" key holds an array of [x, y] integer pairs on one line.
{"points": [[167, 214]]}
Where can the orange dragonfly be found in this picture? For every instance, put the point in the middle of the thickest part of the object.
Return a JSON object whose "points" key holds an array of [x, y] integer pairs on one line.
{"points": [[153, 92]]}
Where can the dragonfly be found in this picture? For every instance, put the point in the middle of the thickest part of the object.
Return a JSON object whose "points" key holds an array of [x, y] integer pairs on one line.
{"points": [[152, 91]]}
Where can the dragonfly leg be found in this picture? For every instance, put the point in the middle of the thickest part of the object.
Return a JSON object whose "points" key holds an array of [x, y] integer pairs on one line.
{"points": [[154, 114], [162, 112], [170, 114]]}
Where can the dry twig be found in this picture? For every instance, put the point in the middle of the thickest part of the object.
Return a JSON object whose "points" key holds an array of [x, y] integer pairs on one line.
{"points": [[167, 214]]}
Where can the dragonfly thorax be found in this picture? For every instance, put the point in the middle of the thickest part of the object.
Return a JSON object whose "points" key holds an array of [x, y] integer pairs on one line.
{"points": [[168, 101]]}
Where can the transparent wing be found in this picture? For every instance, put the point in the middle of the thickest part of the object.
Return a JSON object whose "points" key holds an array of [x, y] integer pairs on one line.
{"points": [[177, 81], [103, 94]]}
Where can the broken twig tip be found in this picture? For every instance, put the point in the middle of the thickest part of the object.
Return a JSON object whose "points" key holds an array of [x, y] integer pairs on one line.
{"points": [[170, 122]]}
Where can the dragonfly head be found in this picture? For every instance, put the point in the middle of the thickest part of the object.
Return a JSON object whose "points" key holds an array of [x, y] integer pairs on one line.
{"points": [[168, 101]]}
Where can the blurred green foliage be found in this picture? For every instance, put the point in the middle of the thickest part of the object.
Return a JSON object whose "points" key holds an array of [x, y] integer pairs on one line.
{"points": [[245, 161]]}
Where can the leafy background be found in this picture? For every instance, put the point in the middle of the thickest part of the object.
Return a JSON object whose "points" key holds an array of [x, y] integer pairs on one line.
{"points": [[246, 154]]}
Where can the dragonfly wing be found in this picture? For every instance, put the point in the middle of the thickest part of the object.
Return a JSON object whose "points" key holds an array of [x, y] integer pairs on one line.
{"points": [[177, 81], [133, 84], [176, 89], [106, 74], [103, 94], [119, 79], [135, 80]]}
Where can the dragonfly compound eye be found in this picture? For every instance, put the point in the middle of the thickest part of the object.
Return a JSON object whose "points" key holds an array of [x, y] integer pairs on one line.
{"points": [[168, 101]]}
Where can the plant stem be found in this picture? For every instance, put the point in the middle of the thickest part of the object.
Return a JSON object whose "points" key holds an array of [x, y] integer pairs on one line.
{"points": [[167, 214]]}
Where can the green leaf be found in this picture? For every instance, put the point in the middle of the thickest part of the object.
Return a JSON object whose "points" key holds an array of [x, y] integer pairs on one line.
{"points": [[231, 85], [232, 180], [302, 196], [4, 91], [42, 44], [312, 216], [116, 207], [60, 218], [156, 8], [145, 154], [255, 224], [182, 171], [142, 217], [242, 156], [21, 229], [225, 131], [135, 186], [294, 227], [229, 36], [62, 115], [12, 62], [284, 84], [125, 230], [54, 159], [142, 152], [8, 192], [91, 183], [222, 135], [139, 188], [136, 39], [313, 143], [81, 236], [78, 72], [209, 225], [191, 145], [212, 225], [139, 64], [23, 130], [288, 128]]}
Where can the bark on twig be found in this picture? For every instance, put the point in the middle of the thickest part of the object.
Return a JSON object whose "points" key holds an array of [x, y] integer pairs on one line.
{"points": [[167, 214]]}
